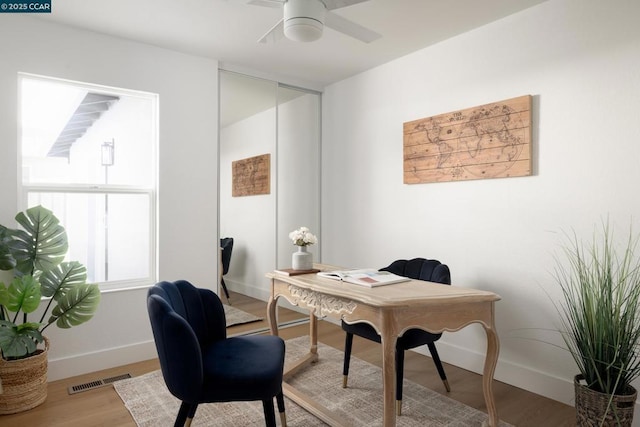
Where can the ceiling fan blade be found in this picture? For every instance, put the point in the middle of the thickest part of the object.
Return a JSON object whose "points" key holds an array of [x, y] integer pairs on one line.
{"points": [[350, 28], [337, 4], [267, 3], [274, 34]]}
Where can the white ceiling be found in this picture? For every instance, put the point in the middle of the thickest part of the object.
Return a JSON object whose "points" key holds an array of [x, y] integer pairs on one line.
{"points": [[227, 30]]}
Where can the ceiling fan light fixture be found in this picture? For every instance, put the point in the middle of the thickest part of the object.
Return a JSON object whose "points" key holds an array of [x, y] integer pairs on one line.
{"points": [[303, 29], [303, 20]]}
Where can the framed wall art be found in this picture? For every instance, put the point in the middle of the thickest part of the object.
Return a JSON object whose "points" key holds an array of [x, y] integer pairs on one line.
{"points": [[488, 141], [251, 176]]}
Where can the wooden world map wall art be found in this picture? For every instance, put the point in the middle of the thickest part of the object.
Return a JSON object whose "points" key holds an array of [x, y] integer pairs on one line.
{"points": [[489, 141], [251, 176]]}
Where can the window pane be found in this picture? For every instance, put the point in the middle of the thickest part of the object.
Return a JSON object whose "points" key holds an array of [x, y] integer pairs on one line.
{"points": [[108, 233], [67, 128]]}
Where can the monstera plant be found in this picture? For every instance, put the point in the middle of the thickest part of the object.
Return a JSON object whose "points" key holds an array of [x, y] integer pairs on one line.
{"points": [[36, 255]]}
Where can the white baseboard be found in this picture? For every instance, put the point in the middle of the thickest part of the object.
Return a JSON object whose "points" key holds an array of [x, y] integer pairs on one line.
{"points": [[559, 389], [103, 359], [252, 291]]}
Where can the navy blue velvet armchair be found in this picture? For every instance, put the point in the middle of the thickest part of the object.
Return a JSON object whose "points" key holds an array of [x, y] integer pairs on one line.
{"points": [[417, 268], [226, 245], [200, 364]]}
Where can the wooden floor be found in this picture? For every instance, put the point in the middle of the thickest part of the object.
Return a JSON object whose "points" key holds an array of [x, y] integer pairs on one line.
{"points": [[103, 407]]}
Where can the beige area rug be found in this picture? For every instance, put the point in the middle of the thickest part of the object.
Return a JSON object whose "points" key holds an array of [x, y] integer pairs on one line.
{"points": [[235, 316], [151, 404]]}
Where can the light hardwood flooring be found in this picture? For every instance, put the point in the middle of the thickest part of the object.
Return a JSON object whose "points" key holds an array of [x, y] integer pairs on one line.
{"points": [[103, 407]]}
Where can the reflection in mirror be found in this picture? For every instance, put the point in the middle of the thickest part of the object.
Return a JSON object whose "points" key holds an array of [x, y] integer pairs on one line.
{"points": [[298, 169], [269, 177]]}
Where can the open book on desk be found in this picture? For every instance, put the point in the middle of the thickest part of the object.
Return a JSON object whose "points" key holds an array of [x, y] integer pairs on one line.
{"points": [[367, 277]]}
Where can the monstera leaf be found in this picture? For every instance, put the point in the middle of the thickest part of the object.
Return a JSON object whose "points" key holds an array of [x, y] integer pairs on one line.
{"points": [[42, 244], [61, 278], [17, 341], [77, 306], [7, 261], [23, 294]]}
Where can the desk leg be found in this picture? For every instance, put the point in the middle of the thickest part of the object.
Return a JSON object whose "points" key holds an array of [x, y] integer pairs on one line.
{"points": [[272, 306], [313, 334], [389, 339], [493, 347]]}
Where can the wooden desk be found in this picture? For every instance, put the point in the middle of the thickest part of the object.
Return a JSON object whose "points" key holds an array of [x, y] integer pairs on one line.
{"points": [[391, 310]]}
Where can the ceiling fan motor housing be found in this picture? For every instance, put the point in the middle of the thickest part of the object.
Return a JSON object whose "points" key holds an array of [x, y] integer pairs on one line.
{"points": [[304, 20]]}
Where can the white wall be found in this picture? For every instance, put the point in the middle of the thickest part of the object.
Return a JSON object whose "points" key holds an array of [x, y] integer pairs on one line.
{"points": [[187, 88], [580, 60]]}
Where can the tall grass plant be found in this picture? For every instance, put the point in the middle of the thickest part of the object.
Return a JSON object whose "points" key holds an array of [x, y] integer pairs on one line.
{"points": [[600, 311]]}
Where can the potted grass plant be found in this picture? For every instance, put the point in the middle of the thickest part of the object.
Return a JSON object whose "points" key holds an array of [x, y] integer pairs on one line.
{"points": [[600, 315], [35, 254]]}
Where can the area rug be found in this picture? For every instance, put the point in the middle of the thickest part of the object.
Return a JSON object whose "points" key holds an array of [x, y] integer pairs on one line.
{"points": [[235, 316], [150, 403]]}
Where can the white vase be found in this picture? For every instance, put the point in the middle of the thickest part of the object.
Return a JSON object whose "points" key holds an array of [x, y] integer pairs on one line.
{"points": [[302, 260]]}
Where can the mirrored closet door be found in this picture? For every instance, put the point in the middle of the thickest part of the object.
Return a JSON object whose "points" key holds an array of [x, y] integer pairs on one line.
{"points": [[269, 176]]}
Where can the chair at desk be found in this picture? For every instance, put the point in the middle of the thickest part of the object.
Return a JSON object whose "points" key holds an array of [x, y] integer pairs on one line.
{"points": [[200, 364], [417, 268], [226, 245]]}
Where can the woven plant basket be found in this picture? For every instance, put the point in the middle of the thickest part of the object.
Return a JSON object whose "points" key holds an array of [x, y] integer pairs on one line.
{"points": [[24, 382], [592, 405]]}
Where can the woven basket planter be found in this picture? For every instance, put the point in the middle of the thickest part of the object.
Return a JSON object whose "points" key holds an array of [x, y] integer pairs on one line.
{"points": [[591, 407], [24, 382]]}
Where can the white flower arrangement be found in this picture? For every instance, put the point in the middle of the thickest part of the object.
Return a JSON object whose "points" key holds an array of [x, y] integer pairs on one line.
{"points": [[302, 237]]}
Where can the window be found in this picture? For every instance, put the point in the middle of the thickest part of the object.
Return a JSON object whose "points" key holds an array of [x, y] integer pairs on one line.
{"points": [[88, 153]]}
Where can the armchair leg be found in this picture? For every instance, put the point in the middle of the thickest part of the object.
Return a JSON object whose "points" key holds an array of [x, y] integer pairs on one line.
{"points": [[399, 379], [348, 343], [269, 414], [283, 415], [191, 414], [185, 414], [224, 288], [438, 363]]}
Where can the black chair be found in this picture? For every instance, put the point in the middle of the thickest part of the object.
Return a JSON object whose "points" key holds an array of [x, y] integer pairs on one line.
{"points": [[226, 244], [417, 268], [200, 364]]}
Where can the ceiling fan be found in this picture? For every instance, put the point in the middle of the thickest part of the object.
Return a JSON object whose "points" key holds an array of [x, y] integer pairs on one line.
{"points": [[304, 20]]}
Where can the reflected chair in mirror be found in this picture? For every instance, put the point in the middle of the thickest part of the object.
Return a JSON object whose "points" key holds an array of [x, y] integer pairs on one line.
{"points": [[200, 364], [226, 247], [420, 269]]}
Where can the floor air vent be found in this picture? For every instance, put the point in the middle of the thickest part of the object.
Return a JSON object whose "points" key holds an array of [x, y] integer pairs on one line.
{"points": [[96, 384]]}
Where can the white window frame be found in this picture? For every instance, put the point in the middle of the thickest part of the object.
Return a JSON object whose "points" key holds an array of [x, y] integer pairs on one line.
{"points": [[151, 192]]}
